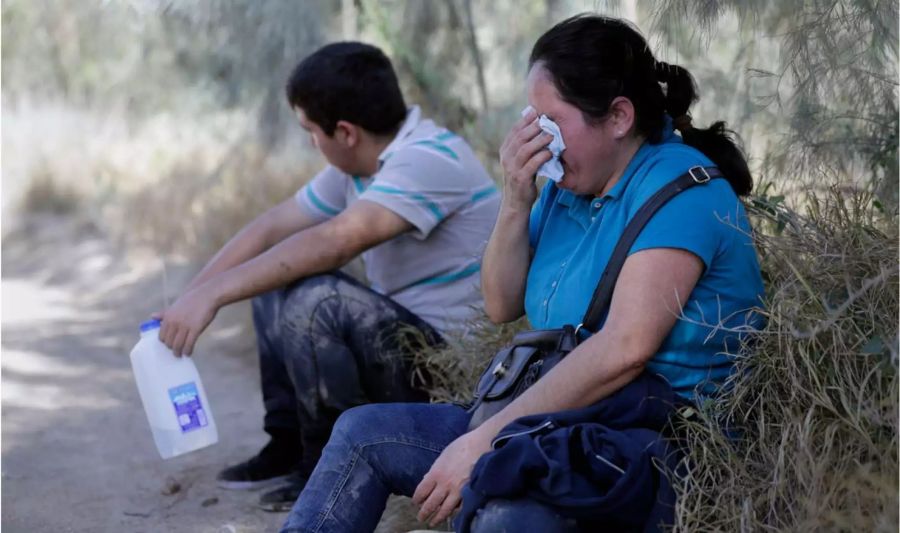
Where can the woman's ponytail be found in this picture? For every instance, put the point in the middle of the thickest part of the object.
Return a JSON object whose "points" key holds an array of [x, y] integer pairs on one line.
{"points": [[716, 142]]}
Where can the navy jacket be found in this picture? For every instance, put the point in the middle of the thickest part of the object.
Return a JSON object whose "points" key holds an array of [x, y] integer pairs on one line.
{"points": [[601, 464]]}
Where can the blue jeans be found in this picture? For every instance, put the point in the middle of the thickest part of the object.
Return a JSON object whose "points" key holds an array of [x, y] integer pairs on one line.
{"points": [[378, 450], [328, 343]]}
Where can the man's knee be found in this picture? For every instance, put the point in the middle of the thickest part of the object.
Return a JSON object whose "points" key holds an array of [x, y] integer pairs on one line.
{"points": [[298, 299], [303, 298]]}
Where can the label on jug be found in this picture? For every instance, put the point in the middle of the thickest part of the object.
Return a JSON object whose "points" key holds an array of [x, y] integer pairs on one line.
{"points": [[188, 407]]}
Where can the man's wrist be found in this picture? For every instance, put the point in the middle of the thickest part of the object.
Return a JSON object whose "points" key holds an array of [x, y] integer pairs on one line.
{"points": [[212, 292]]}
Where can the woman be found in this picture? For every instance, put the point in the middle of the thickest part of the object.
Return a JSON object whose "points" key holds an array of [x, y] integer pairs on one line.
{"points": [[596, 78]]}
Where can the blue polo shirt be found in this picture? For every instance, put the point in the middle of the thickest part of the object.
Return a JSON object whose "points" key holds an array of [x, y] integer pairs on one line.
{"points": [[573, 238]]}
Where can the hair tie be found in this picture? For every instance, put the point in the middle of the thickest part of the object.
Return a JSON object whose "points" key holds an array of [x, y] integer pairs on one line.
{"points": [[661, 70], [682, 123]]}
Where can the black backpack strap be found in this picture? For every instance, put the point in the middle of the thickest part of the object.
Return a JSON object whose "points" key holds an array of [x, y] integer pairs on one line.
{"points": [[603, 293]]}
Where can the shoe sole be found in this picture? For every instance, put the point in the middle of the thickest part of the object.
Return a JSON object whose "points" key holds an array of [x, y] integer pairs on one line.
{"points": [[275, 507], [251, 485]]}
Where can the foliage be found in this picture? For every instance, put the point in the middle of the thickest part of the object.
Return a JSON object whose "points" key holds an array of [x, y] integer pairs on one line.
{"points": [[831, 91], [812, 414]]}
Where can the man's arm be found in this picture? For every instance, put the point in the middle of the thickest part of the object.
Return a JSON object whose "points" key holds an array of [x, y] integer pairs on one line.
{"points": [[262, 233], [320, 248], [650, 292]]}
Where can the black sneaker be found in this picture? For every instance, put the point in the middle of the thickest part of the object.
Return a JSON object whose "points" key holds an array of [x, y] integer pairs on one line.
{"points": [[283, 498], [273, 464]]}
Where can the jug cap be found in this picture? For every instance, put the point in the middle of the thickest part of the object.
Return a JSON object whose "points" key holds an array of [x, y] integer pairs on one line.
{"points": [[153, 323]]}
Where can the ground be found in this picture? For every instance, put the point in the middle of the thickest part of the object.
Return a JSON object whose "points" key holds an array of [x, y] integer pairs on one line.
{"points": [[77, 454]]}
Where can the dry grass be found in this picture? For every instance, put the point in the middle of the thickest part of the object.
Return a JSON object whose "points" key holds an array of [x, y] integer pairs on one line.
{"points": [[193, 210], [452, 371], [813, 410], [45, 193], [181, 184]]}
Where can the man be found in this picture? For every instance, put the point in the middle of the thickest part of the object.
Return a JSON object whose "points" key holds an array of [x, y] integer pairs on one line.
{"points": [[411, 197]]}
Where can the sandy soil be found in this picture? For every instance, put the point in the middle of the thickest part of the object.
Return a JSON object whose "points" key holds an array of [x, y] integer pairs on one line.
{"points": [[77, 454]]}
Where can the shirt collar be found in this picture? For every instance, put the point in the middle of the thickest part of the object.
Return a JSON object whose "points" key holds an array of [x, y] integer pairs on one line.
{"points": [[413, 117], [668, 136]]}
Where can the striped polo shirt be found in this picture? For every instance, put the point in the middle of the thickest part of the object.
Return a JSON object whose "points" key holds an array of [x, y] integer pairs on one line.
{"points": [[430, 177]]}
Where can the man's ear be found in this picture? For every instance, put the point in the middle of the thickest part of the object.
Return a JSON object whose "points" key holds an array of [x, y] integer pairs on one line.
{"points": [[347, 133], [621, 116]]}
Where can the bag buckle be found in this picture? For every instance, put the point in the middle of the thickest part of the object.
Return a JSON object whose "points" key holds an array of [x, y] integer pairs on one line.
{"points": [[699, 174], [499, 370]]}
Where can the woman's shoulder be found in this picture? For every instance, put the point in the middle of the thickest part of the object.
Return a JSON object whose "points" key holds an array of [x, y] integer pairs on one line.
{"points": [[666, 162]]}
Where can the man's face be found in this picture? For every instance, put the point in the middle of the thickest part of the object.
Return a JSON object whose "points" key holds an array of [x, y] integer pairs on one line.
{"points": [[333, 147]]}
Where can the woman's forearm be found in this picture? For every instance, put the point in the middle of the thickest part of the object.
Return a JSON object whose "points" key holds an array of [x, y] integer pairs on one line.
{"points": [[648, 299], [505, 266], [590, 373]]}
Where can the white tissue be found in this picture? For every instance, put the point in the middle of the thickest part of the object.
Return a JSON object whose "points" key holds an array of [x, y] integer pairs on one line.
{"points": [[552, 169]]}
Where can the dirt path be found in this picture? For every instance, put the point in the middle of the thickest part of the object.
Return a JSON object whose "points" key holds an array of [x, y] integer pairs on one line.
{"points": [[77, 450]]}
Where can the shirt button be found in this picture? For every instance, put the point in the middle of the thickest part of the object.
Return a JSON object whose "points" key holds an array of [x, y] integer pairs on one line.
{"points": [[563, 264], [598, 204], [545, 303], [553, 284]]}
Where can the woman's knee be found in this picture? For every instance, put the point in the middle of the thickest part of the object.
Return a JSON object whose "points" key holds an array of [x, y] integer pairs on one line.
{"points": [[410, 422], [515, 516]]}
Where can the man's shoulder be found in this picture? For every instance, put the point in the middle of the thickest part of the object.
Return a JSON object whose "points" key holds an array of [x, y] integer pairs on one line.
{"points": [[331, 172], [434, 147]]}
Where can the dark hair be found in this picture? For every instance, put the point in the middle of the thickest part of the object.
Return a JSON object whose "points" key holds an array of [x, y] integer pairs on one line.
{"points": [[348, 81], [594, 59]]}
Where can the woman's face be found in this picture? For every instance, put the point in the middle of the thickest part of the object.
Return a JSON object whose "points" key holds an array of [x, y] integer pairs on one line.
{"points": [[592, 155]]}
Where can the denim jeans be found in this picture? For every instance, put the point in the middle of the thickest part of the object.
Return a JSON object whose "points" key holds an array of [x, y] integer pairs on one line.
{"points": [[326, 344], [378, 450]]}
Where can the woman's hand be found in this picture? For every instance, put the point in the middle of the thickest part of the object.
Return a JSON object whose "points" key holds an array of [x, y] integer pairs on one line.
{"points": [[185, 320], [521, 155], [440, 491]]}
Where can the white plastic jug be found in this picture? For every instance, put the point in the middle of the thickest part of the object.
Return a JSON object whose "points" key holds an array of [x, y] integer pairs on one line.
{"points": [[173, 396]]}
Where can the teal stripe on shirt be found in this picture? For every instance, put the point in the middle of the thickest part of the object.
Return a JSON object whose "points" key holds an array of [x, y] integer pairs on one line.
{"points": [[322, 206], [446, 278], [431, 206], [358, 183], [447, 135], [439, 147], [484, 193]]}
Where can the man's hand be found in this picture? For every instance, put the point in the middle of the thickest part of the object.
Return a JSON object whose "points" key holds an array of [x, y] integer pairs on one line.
{"points": [[185, 320], [440, 491]]}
